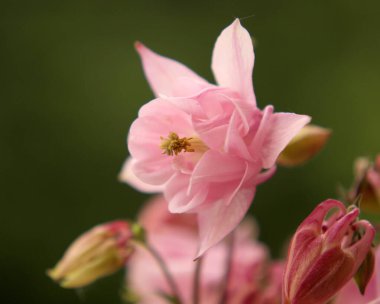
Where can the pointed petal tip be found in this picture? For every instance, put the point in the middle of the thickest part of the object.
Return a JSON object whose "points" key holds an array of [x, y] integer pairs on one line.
{"points": [[138, 44], [139, 47], [233, 59], [236, 22], [200, 252]]}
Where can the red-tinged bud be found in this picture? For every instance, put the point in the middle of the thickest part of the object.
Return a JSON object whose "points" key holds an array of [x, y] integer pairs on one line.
{"points": [[324, 254], [307, 143], [97, 253], [366, 185]]}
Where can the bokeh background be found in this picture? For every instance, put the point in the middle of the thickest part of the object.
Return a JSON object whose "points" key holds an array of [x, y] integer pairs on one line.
{"points": [[71, 84]]}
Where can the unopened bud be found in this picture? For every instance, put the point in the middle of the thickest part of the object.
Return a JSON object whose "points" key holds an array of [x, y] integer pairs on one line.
{"points": [[97, 253], [308, 142], [325, 254], [366, 184]]}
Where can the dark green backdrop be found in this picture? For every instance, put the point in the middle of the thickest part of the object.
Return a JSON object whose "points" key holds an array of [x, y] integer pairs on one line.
{"points": [[71, 83]]}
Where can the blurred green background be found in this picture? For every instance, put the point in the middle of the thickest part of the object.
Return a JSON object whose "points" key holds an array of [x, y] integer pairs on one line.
{"points": [[71, 84]]}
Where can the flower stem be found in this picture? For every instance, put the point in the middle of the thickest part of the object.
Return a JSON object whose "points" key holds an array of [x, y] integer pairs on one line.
{"points": [[197, 281], [228, 266], [168, 276]]}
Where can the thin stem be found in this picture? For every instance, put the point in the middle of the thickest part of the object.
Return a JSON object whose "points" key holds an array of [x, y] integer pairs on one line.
{"points": [[197, 281], [230, 244], [168, 276]]}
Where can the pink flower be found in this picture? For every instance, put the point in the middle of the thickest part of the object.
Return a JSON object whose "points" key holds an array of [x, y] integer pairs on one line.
{"points": [[176, 241], [269, 293], [350, 292], [325, 254], [207, 147]]}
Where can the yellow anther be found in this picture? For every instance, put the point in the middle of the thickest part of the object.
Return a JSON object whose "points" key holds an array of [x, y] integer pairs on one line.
{"points": [[173, 144]]}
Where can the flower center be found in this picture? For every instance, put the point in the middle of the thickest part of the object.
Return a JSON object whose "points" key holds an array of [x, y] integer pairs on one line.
{"points": [[173, 144]]}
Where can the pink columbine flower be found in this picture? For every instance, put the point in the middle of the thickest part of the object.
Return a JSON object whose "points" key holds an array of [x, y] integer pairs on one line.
{"points": [[324, 254], [207, 147], [350, 293], [174, 236], [97, 253]]}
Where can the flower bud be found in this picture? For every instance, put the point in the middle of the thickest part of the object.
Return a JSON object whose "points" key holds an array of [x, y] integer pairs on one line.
{"points": [[308, 142], [366, 185], [97, 253], [325, 253]]}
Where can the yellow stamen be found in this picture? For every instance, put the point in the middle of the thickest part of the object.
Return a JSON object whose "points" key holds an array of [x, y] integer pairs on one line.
{"points": [[173, 144]]}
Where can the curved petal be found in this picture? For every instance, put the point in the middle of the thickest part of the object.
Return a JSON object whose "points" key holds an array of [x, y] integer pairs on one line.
{"points": [[180, 200], [155, 172], [167, 76], [281, 128], [126, 175], [217, 167], [234, 143], [232, 60], [220, 219]]}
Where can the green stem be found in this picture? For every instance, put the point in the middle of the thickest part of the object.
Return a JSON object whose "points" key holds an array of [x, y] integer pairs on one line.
{"points": [[230, 244], [197, 281], [168, 276]]}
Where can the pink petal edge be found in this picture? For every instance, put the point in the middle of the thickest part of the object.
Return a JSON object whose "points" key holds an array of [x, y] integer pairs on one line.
{"points": [[233, 59], [167, 76]]}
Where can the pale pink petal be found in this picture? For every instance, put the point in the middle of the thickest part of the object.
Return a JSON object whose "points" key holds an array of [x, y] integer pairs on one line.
{"points": [[216, 102], [281, 128], [240, 185], [212, 134], [234, 144], [350, 294], [152, 172], [232, 60], [218, 167], [180, 200], [220, 218], [167, 76], [127, 176], [262, 130], [156, 120], [155, 217]]}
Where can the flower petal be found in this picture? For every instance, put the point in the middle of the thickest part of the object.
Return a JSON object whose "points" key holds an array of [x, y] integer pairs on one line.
{"points": [[234, 144], [232, 60], [127, 176], [180, 200], [216, 167], [278, 131], [220, 218], [154, 172], [167, 76]]}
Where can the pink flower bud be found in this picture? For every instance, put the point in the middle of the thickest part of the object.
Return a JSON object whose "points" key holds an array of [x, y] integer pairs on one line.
{"points": [[325, 253], [97, 253], [307, 143]]}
